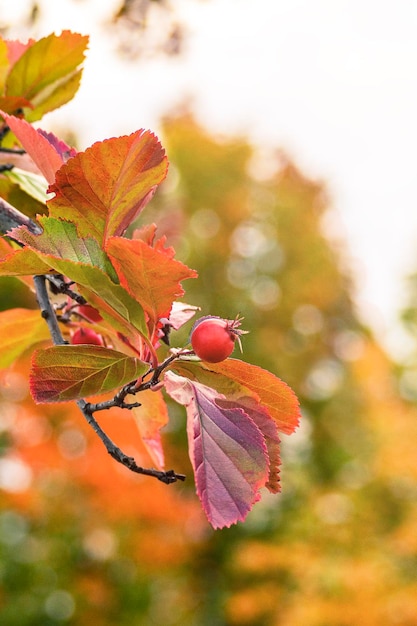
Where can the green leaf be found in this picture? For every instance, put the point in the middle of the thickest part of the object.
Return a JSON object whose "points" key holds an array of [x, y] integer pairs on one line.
{"points": [[60, 240], [32, 184], [81, 260], [20, 329], [104, 188], [47, 72], [62, 373]]}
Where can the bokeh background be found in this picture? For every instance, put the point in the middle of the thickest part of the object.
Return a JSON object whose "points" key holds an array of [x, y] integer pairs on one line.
{"points": [[83, 541]]}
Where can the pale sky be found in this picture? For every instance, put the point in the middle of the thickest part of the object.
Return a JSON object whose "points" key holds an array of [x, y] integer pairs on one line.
{"points": [[331, 82]]}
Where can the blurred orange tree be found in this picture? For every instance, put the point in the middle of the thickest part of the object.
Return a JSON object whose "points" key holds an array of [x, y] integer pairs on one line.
{"points": [[83, 541]]}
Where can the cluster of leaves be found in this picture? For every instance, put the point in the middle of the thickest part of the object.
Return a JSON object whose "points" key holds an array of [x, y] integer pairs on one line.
{"points": [[78, 245]]}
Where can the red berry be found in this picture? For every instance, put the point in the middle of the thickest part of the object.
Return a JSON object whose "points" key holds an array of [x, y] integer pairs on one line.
{"points": [[213, 338], [88, 311], [86, 335]]}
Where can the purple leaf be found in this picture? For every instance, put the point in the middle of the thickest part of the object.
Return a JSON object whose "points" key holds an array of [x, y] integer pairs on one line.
{"points": [[227, 451], [268, 428]]}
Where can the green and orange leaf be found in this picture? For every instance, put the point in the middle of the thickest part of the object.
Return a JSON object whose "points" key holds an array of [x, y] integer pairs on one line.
{"points": [[20, 330], [59, 240], [47, 73], [58, 248], [104, 188], [23, 262], [62, 373]]}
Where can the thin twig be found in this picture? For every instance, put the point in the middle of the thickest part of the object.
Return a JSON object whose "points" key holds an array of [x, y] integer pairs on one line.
{"points": [[167, 477], [12, 150], [59, 285]]}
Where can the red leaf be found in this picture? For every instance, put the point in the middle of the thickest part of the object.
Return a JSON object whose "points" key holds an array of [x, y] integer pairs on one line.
{"points": [[104, 188], [227, 450], [15, 49], [150, 276], [43, 153], [67, 372]]}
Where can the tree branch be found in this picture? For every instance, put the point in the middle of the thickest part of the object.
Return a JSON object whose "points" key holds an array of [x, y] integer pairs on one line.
{"points": [[10, 218], [88, 409]]}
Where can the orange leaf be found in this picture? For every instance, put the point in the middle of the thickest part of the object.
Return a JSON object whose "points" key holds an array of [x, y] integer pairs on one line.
{"points": [[150, 417], [104, 188], [279, 399], [20, 329], [148, 274]]}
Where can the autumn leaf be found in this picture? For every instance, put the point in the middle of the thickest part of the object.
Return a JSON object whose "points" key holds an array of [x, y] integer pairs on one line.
{"points": [[38, 145], [47, 72], [227, 451], [180, 314], [16, 48], [11, 104], [20, 329], [268, 428], [61, 373], [4, 63], [81, 260], [32, 184], [59, 239], [231, 375], [23, 262], [150, 276], [104, 188]]}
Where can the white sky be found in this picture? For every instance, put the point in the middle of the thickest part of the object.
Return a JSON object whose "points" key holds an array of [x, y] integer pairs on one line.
{"points": [[332, 82]]}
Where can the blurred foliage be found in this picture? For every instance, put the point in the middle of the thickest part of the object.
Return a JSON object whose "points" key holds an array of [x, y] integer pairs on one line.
{"points": [[139, 28], [84, 541], [148, 27]]}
